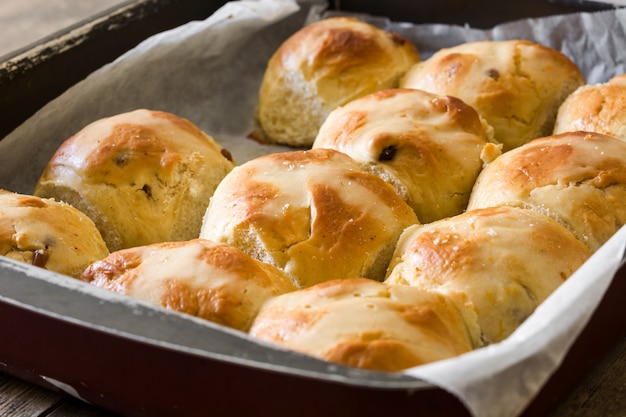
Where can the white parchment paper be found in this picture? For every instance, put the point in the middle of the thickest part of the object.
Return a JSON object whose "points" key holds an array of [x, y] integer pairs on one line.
{"points": [[209, 72]]}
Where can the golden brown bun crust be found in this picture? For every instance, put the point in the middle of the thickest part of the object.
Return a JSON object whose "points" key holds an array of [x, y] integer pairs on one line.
{"points": [[517, 85], [496, 264], [324, 65], [597, 108], [428, 147], [366, 324], [315, 214], [48, 234], [142, 177], [211, 281], [577, 178]]}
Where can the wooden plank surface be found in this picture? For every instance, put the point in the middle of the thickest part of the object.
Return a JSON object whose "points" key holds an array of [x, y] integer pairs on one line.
{"points": [[25, 22], [19, 398], [602, 393]]}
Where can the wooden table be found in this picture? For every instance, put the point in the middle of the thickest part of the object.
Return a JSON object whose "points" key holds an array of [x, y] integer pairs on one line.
{"points": [[19, 398], [601, 393], [25, 22]]}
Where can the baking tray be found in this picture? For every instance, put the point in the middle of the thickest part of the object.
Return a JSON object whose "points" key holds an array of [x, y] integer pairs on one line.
{"points": [[136, 359]]}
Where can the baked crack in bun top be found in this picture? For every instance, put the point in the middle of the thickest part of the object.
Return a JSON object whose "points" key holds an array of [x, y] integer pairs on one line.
{"points": [[365, 324], [324, 65], [577, 178], [495, 264], [314, 214], [143, 176], [49, 234], [516, 85], [211, 281], [597, 108], [428, 147]]}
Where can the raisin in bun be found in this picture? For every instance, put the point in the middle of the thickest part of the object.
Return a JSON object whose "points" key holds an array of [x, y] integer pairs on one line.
{"points": [[322, 66], [577, 178], [215, 282], [315, 214], [597, 108], [428, 147], [142, 177], [496, 264], [365, 324], [48, 234], [516, 85]]}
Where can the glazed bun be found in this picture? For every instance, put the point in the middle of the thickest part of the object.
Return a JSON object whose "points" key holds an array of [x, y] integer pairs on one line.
{"points": [[365, 324], [211, 281], [495, 264], [324, 65], [143, 177], [48, 234], [597, 108], [314, 214], [577, 178], [428, 147], [516, 85]]}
